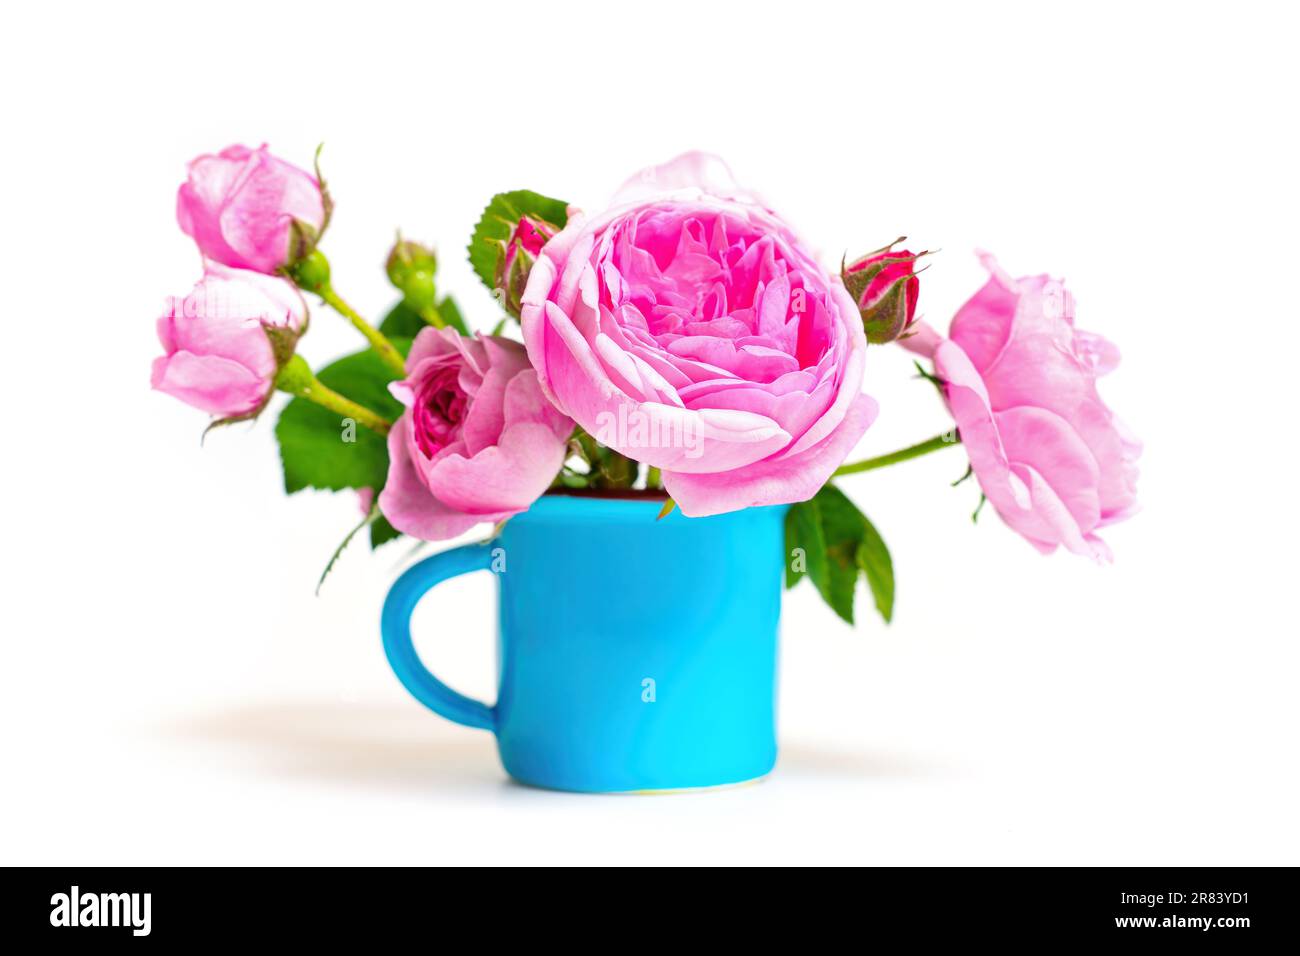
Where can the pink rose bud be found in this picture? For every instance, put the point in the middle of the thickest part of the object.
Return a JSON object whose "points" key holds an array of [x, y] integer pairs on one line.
{"points": [[885, 287], [248, 209], [227, 339], [478, 441], [515, 262], [411, 268]]}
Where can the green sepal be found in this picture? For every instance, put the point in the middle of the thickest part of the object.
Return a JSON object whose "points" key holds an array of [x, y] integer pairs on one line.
{"points": [[886, 319]]}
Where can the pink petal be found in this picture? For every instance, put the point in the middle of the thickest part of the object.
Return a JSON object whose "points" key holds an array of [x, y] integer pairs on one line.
{"points": [[777, 480], [406, 501], [983, 325], [432, 343], [258, 214], [1044, 442], [689, 171], [656, 434], [524, 402], [921, 339], [504, 479], [214, 384]]}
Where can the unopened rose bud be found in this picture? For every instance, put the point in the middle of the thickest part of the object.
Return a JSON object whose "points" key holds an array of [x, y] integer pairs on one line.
{"points": [[311, 272], [885, 287], [411, 268], [518, 253]]}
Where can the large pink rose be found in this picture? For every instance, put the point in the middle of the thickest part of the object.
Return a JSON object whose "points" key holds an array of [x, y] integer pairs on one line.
{"points": [[689, 328], [240, 206], [219, 356], [1021, 383], [478, 442]]}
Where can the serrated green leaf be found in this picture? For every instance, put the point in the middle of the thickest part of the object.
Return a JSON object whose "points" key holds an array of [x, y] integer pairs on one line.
{"points": [[805, 546], [318, 449], [873, 557], [499, 218]]}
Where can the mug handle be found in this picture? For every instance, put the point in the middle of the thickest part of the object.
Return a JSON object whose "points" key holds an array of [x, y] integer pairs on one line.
{"points": [[396, 625]]}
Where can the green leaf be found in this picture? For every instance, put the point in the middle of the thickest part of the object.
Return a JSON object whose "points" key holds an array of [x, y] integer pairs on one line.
{"points": [[839, 544], [404, 322], [842, 526], [500, 218], [452, 315], [381, 532], [318, 449], [873, 557], [805, 546]]}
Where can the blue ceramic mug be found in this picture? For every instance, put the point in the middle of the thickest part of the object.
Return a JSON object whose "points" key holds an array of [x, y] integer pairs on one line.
{"points": [[633, 653]]}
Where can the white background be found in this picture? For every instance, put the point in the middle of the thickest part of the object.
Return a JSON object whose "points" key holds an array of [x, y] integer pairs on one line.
{"points": [[172, 692]]}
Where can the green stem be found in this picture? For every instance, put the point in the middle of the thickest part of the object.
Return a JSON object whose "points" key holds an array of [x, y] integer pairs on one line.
{"points": [[297, 379], [387, 351], [946, 440]]}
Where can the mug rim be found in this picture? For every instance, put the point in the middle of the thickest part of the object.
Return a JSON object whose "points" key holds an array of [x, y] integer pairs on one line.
{"points": [[601, 507], [632, 505]]}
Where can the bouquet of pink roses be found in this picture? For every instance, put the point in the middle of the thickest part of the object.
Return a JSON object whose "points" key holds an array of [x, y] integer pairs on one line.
{"points": [[682, 343]]}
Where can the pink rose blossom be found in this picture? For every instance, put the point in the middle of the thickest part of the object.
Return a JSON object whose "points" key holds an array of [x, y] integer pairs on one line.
{"points": [[218, 352], [687, 327], [479, 442], [240, 206], [1020, 380]]}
